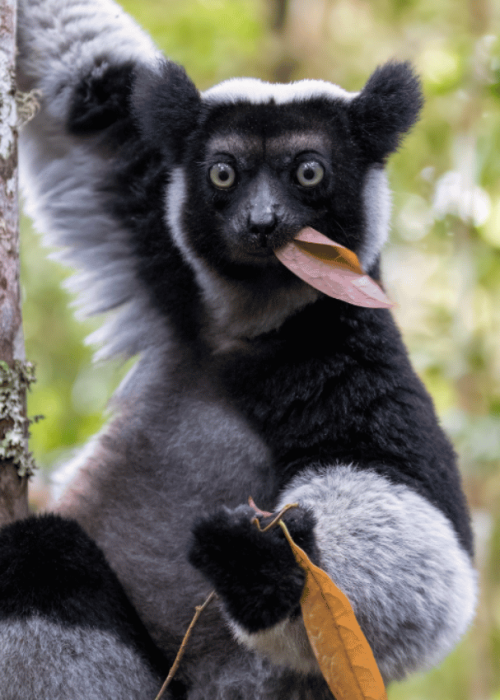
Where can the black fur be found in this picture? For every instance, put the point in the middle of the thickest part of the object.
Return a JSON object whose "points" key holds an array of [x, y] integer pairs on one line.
{"points": [[334, 384], [52, 569], [334, 208], [133, 186], [167, 106], [254, 572], [135, 192], [101, 99], [388, 106]]}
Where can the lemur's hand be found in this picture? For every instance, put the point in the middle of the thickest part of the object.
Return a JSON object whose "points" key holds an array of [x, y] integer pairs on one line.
{"points": [[254, 573]]}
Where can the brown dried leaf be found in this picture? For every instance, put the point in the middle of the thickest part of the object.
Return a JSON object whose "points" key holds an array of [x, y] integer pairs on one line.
{"points": [[343, 653], [332, 269]]}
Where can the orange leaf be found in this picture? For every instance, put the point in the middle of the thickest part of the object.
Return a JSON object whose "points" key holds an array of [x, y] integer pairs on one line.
{"points": [[332, 269], [344, 656]]}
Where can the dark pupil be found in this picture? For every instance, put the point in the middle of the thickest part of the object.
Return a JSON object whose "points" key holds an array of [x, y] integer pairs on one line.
{"points": [[308, 173], [223, 175]]}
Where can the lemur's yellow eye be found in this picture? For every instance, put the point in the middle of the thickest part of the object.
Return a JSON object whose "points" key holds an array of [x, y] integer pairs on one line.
{"points": [[222, 175], [310, 173]]}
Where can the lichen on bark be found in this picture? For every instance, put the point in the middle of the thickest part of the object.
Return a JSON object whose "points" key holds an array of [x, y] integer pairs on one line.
{"points": [[14, 382]]}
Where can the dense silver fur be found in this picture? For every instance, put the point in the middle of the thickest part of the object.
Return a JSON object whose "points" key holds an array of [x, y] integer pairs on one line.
{"points": [[69, 663], [238, 677], [397, 559], [180, 449]]}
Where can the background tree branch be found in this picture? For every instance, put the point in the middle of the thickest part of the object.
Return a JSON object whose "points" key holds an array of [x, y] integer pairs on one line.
{"points": [[13, 423]]}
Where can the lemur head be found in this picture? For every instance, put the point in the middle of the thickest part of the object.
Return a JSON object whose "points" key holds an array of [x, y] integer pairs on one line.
{"points": [[253, 163]]}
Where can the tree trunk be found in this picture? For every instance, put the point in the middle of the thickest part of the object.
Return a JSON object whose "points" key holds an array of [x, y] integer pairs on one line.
{"points": [[13, 423]]}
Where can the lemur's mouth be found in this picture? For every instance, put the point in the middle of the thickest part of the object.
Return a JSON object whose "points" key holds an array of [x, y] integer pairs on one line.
{"points": [[332, 269]]}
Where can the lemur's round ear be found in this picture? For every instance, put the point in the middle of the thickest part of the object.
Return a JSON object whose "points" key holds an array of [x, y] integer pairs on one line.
{"points": [[166, 106], [386, 108]]}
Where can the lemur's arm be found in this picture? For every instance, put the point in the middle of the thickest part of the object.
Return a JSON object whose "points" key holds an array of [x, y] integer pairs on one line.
{"points": [[79, 56], [396, 557], [387, 517], [61, 42]]}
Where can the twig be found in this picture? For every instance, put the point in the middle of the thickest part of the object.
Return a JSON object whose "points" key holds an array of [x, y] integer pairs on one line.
{"points": [[199, 609]]}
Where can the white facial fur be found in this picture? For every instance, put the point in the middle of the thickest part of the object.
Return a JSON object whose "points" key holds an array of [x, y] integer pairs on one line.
{"points": [[259, 92], [377, 204]]}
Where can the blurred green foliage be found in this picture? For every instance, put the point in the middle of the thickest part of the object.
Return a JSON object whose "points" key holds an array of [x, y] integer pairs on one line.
{"points": [[442, 265]]}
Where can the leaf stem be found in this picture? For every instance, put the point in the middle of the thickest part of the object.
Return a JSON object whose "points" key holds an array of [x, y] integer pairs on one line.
{"points": [[276, 519]]}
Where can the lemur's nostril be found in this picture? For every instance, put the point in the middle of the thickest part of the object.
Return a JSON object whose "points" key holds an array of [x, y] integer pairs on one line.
{"points": [[262, 223]]}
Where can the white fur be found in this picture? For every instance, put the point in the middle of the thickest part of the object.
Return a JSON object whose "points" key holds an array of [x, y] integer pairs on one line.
{"points": [[398, 560], [377, 205], [259, 92], [285, 644]]}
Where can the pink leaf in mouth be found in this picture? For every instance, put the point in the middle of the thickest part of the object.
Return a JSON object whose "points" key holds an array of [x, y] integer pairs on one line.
{"points": [[332, 269]]}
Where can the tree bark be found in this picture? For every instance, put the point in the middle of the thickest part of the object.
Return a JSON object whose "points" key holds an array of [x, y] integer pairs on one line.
{"points": [[13, 488]]}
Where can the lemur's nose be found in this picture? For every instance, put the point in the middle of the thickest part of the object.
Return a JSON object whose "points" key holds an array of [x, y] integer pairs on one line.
{"points": [[262, 208], [262, 223]]}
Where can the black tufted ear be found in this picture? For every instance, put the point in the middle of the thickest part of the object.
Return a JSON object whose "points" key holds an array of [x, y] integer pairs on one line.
{"points": [[166, 106], [386, 108]]}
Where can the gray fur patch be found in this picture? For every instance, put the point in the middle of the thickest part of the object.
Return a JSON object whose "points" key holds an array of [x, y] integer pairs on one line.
{"points": [[398, 560], [250, 677], [40, 660], [173, 455], [60, 41]]}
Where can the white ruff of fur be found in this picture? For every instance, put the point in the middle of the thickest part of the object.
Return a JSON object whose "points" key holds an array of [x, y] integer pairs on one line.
{"points": [[377, 206]]}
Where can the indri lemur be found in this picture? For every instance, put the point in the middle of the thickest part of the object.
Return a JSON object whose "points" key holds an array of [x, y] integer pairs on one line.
{"points": [[249, 383]]}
